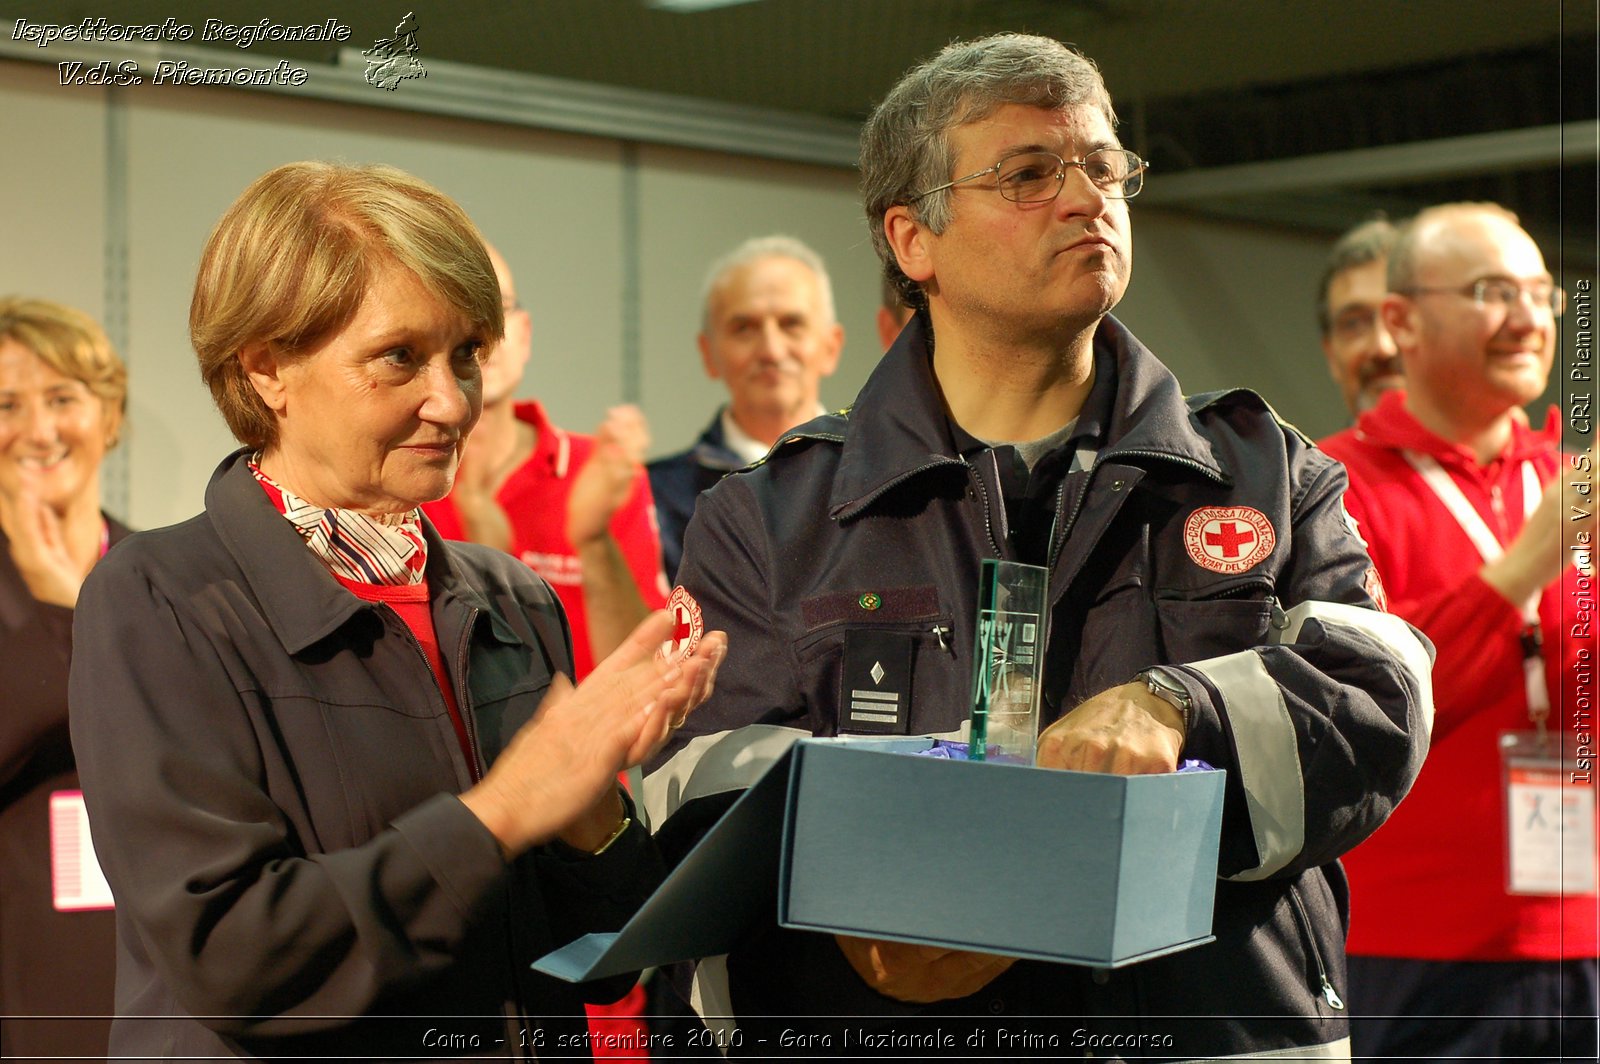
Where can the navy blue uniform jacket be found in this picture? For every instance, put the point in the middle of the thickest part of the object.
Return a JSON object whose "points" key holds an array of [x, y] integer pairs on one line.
{"points": [[1316, 704]]}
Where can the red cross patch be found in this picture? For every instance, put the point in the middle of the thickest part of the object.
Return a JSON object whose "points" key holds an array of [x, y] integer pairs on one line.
{"points": [[1228, 539], [687, 626]]}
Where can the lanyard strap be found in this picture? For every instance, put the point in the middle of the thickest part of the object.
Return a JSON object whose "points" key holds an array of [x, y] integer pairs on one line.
{"points": [[1490, 548]]}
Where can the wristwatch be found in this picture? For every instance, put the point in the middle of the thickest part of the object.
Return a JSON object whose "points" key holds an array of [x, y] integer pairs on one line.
{"points": [[1163, 685]]}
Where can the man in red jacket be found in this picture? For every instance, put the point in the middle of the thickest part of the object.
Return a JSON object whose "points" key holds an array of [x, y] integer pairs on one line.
{"points": [[1473, 907]]}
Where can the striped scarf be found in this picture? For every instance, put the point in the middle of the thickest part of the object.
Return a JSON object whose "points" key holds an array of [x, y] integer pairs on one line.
{"points": [[383, 549]]}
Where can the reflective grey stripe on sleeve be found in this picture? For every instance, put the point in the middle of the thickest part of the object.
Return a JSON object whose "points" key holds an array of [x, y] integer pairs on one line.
{"points": [[1385, 628], [713, 764], [1268, 757], [1263, 733], [710, 997]]}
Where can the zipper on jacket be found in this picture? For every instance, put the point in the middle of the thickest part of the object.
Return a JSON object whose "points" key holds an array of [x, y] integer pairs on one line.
{"points": [[939, 632], [1276, 615], [1211, 474], [474, 769], [462, 701], [1245, 590], [1077, 507], [988, 526], [1329, 994]]}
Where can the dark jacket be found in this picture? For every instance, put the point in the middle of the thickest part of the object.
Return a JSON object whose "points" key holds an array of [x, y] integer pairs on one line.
{"points": [[51, 963], [1317, 705], [676, 482], [272, 776]]}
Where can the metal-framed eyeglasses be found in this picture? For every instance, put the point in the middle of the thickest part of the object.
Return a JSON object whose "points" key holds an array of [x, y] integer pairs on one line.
{"points": [[1037, 176], [1499, 293]]}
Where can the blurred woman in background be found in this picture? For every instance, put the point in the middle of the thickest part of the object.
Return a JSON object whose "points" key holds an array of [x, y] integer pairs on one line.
{"points": [[62, 396]]}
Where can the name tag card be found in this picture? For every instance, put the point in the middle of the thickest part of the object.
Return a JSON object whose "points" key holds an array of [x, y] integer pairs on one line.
{"points": [[1550, 821], [76, 880]]}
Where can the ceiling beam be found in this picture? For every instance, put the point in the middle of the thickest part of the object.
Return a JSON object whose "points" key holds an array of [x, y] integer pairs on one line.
{"points": [[470, 91], [1567, 144], [464, 90]]}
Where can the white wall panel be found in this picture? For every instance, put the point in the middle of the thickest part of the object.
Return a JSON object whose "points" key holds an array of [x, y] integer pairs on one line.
{"points": [[696, 206], [548, 200], [1225, 305], [52, 188]]}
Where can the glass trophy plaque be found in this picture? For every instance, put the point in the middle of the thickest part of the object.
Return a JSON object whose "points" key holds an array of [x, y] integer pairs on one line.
{"points": [[1008, 661]]}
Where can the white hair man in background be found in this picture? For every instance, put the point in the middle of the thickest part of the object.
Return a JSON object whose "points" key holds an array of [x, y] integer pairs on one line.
{"points": [[768, 332]]}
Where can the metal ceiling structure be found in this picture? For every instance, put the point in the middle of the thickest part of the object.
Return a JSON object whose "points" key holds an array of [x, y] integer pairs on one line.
{"points": [[1309, 113]]}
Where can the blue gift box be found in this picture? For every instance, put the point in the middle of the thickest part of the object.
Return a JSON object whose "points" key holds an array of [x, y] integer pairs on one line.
{"points": [[850, 836]]}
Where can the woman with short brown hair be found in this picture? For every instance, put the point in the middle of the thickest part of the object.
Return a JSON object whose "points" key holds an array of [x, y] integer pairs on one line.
{"points": [[347, 791]]}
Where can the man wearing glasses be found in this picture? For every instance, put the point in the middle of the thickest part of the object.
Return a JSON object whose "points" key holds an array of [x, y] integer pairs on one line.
{"points": [[1361, 357], [1207, 592], [1474, 930]]}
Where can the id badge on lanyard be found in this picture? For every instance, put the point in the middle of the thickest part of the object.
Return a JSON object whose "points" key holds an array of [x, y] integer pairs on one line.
{"points": [[1549, 820], [75, 877]]}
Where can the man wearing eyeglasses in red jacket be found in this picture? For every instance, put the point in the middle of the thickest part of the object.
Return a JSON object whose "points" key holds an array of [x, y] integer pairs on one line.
{"points": [[1473, 908]]}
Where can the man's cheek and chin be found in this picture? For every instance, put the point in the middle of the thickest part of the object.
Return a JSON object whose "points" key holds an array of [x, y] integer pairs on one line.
{"points": [[1102, 267], [1109, 269]]}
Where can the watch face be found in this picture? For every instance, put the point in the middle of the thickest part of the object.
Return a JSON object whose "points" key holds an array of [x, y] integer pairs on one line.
{"points": [[1164, 687]]}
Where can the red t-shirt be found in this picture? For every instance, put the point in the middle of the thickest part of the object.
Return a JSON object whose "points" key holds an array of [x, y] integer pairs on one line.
{"points": [[534, 498]]}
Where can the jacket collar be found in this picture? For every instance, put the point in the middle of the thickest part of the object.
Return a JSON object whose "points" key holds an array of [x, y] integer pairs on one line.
{"points": [[300, 599], [897, 426], [1391, 426], [552, 447], [712, 450]]}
